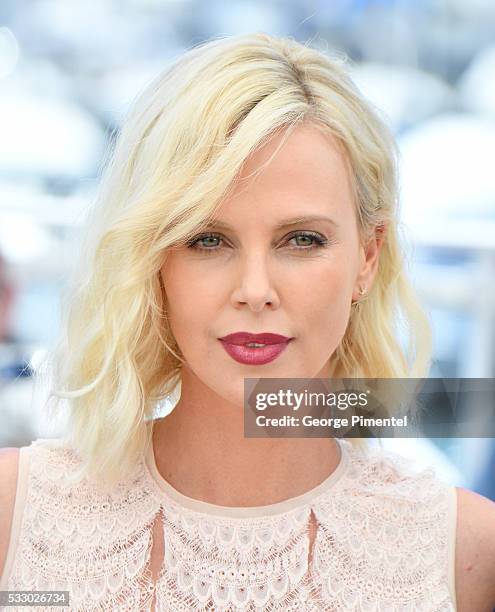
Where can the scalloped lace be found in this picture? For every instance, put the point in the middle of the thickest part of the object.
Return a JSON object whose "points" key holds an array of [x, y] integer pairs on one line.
{"points": [[381, 544]]}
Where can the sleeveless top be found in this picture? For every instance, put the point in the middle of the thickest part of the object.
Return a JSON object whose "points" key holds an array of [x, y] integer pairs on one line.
{"points": [[385, 540]]}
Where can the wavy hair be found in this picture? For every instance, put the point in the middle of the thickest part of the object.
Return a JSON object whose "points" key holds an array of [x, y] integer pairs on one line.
{"points": [[176, 157]]}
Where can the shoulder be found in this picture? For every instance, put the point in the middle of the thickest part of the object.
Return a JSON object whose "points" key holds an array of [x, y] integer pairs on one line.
{"points": [[395, 478], [41, 467], [393, 522], [462, 520], [394, 490], [475, 551], [9, 460], [61, 495]]}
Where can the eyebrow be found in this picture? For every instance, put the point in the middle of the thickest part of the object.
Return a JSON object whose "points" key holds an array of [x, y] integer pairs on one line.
{"points": [[282, 224]]}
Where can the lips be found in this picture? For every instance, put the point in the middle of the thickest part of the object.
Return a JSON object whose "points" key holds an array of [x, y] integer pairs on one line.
{"points": [[238, 346], [243, 338]]}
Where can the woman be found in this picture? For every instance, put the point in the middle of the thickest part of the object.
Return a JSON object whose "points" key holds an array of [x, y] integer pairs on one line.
{"points": [[252, 189]]}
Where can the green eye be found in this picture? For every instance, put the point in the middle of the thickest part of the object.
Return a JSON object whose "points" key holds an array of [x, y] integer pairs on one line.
{"points": [[318, 241], [209, 238], [194, 243], [310, 238]]}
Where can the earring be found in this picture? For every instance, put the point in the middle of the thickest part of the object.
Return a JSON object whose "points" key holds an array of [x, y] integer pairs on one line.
{"points": [[362, 291]]}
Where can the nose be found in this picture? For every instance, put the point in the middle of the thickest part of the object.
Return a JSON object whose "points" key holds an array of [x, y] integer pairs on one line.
{"points": [[254, 283]]}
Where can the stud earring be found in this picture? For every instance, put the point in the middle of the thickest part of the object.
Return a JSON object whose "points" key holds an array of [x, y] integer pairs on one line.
{"points": [[362, 291]]}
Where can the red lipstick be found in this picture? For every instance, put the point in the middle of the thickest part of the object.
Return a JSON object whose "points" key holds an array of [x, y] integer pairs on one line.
{"points": [[237, 346]]}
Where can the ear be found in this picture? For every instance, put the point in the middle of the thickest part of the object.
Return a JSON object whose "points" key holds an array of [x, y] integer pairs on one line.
{"points": [[369, 257]]}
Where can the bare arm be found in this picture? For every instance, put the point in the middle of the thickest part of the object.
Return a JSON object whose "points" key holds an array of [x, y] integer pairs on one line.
{"points": [[9, 461], [475, 552]]}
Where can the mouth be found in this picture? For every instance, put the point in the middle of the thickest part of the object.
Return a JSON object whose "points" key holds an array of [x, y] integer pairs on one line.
{"points": [[261, 349]]}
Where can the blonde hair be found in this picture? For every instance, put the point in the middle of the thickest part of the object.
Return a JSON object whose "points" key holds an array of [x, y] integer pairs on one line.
{"points": [[178, 153]]}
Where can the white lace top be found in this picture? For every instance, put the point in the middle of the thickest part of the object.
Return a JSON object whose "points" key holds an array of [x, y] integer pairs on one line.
{"points": [[385, 541]]}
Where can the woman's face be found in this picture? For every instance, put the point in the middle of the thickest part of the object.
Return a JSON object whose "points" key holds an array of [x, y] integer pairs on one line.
{"points": [[249, 273]]}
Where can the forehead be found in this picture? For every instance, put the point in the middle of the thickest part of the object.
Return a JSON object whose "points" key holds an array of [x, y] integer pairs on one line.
{"points": [[300, 174]]}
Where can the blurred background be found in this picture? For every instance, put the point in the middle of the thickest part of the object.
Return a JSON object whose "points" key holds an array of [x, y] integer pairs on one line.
{"points": [[69, 70]]}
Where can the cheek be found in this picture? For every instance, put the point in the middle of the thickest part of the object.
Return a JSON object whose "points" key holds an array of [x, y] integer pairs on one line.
{"points": [[190, 303], [325, 300], [179, 299]]}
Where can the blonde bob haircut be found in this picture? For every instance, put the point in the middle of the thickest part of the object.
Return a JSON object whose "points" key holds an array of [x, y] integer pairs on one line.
{"points": [[176, 157]]}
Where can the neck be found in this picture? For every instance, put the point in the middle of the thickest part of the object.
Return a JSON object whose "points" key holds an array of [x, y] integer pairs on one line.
{"points": [[200, 449]]}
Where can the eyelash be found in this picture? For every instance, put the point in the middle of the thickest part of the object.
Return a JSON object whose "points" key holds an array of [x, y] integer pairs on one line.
{"points": [[320, 242]]}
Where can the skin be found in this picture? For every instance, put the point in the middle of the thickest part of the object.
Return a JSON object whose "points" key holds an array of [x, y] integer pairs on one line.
{"points": [[475, 552], [260, 279]]}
